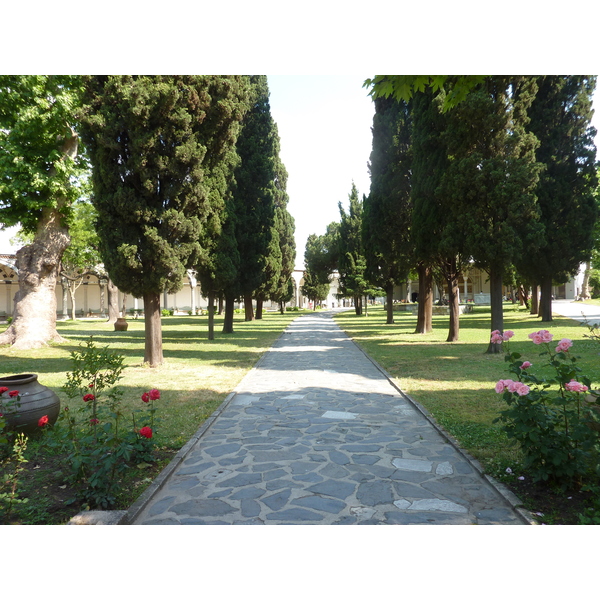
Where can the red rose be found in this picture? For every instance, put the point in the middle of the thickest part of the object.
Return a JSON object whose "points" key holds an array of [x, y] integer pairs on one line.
{"points": [[146, 432], [43, 420], [146, 397], [91, 385], [94, 421], [3, 389], [89, 397], [154, 395], [13, 393]]}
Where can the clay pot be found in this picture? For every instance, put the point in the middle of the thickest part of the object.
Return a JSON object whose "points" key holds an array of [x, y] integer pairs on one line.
{"points": [[36, 401], [121, 324]]}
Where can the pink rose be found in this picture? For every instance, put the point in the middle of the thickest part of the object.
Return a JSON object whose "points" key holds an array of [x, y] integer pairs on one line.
{"points": [[522, 389], [564, 345], [496, 337], [575, 386], [541, 337], [526, 364], [500, 387], [507, 335]]}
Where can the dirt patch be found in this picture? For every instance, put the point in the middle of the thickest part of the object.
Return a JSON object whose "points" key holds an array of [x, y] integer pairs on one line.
{"points": [[50, 499]]}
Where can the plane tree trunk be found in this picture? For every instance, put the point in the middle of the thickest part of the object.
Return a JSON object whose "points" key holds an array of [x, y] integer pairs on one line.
{"points": [[38, 265]]}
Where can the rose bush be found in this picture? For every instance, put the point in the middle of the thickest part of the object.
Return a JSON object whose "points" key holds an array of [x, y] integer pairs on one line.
{"points": [[99, 442], [555, 419]]}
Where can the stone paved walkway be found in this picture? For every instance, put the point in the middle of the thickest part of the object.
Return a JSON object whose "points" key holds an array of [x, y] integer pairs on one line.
{"points": [[316, 434]]}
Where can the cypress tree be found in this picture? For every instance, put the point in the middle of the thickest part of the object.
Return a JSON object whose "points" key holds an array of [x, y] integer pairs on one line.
{"points": [[491, 178], [351, 258], [387, 210], [560, 119], [436, 241], [162, 149]]}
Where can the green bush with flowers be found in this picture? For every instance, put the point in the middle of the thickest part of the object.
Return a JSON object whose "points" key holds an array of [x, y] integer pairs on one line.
{"points": [[99, 440], [555, 418]]}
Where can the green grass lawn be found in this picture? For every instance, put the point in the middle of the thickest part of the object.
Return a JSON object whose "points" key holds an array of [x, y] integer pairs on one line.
{"points": [[455, 381]]}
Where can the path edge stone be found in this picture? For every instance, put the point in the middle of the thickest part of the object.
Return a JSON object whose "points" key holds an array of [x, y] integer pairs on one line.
{"points": [[498, 487]]}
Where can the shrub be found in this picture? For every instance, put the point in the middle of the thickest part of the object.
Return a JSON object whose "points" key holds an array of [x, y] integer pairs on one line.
{"points": [[98, 444], [555, 419]]}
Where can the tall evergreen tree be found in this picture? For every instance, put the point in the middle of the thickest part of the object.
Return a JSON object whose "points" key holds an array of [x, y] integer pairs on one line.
{"points": [[352, 264], [254, 192], [161, 149], [40, 166], [281, 251], [386, 218], [560, 119], [491, 179], [320, 256], [437, 239]]}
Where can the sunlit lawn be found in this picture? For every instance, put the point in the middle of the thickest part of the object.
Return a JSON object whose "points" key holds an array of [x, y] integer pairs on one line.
{"points": [[455, 381], [196, 377]]}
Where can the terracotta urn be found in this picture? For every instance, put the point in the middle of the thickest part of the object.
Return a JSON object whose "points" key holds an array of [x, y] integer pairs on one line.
{"points": [[36, 401], [121, 324]]}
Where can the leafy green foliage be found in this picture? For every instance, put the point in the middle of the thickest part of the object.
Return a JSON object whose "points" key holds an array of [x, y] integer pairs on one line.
{"points": [[37, 139], [12, 467], [453, 89]]}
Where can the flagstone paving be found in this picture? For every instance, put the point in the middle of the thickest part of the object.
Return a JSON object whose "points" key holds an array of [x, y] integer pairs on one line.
{"points": [[317, 434]]}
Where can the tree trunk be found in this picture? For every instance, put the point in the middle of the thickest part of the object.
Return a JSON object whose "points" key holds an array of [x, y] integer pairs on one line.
{"points": [[546, 300], [228, 320], [497, 321], [366, 305], [425, 300], [220, 304], [282, 307], [259, 308], [72, 290], [248, 309], [65, 298], [358, 305], [453, 305], [113, 301], [389, 304], [102, 287], [211, 315], [585, 285], [153, 355], [535, 306], [38, 264]]}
